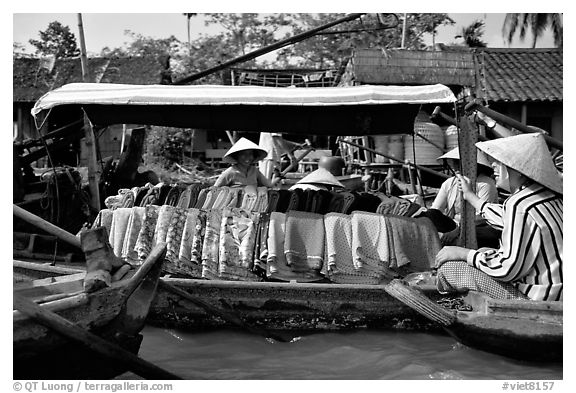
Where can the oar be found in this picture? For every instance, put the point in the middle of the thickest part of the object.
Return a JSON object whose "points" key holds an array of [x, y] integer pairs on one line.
{"points": [[97, 344], [228, 317], [419, 302]]}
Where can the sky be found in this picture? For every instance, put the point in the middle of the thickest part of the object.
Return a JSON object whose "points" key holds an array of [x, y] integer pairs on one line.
{"points": [[108, 29]]}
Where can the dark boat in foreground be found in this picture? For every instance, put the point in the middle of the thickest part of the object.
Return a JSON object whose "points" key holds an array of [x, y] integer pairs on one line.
{"points": [[116, 314]]}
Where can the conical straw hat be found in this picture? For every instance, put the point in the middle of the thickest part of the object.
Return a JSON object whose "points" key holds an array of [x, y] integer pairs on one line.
{"points": [[527, 154], [321, 176], [244, 144], [455, 155]]}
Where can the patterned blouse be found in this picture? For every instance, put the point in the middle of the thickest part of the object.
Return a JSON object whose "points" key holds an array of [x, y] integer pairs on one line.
{"points": [[530, 253]]}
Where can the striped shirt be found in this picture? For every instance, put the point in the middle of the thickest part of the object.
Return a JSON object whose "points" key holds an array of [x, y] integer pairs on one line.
{"points": [[531, 247]]}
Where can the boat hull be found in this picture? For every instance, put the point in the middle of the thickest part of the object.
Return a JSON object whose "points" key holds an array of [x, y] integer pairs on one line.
{"points": [[285, 306]]}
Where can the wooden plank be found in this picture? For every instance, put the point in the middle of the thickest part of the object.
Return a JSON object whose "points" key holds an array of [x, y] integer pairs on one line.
{"points": [[467, 138]]}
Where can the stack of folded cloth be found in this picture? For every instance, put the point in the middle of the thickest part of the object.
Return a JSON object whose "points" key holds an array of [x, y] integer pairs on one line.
{"points": [[237, 240], [174, 236], [338, 266], [276, 265], [104, 219]]}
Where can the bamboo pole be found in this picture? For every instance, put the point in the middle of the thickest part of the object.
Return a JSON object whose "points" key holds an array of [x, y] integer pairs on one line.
{"points": [[95, 343], [46, 226]]}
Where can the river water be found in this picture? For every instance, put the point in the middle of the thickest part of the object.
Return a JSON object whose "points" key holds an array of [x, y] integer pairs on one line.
{"points": [[358, 355]]}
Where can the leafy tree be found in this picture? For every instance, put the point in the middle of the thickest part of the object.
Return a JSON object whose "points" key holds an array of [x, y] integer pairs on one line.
{"points": [[536, 23], [145, 46], [56, 40], [326, 50], [472, 34]]}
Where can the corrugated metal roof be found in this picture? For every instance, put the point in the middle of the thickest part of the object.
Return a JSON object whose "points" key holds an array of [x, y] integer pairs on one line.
{"points": [[512, 74], [31, 80]]}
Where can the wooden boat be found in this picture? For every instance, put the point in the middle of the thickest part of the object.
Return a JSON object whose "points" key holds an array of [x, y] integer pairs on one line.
{"points": [[520, 329], [116, 313], [525, 330]]}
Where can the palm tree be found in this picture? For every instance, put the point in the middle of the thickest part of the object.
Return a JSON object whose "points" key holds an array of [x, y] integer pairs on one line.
{"points": [[472, 34], [537, 23], [188, 16]]}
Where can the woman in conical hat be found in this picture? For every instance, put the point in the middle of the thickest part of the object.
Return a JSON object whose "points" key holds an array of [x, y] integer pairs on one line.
{"points": [[528, 263], [242, 155], [320, 179], [449, 202]]}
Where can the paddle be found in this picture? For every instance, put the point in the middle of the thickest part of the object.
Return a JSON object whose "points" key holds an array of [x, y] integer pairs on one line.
{"points": [[97, 344], [228, 317], [419, 302]]}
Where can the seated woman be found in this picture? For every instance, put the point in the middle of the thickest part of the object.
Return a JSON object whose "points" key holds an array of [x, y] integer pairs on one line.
{"points": [[449, 201], [242, 155], [528, 263]]}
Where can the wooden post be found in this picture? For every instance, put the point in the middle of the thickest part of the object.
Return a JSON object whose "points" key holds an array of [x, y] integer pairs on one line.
{"points": [[93, 170], [467, 138]]}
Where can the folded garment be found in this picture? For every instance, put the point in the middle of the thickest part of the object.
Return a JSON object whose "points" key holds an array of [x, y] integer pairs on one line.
{"points": [[414, 241], [295, 196], [127, 199], [338, 228], [262, 200], [146, 235], [140, 194], [115, 201], [249, 199], [441, 222], [322, 202], [349, 200], [151, 197], [261, 246], [211, 245], [201, 198], [304, 242], [194, 192], [237, 237], [273, 197], [366, 202], [163, 223], [118, 229], [185, 252], [164, 190], [370, 242], [174, 235], [336, 203], [104, 219], [276, 266], [135, 221], [220, 197], [198, 240], [184, 198], [210, 198], [173, 195], [284, 197]]}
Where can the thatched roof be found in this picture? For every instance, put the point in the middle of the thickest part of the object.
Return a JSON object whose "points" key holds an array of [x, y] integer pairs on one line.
{"points": [[399, 66], [33, 77]]}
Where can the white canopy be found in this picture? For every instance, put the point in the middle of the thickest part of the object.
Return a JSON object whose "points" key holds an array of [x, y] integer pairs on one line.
{"points": [[118, 94]]}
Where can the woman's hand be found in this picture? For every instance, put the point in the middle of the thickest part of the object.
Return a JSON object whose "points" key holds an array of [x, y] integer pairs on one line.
{"points": [[451, 253], [464, 184]]}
